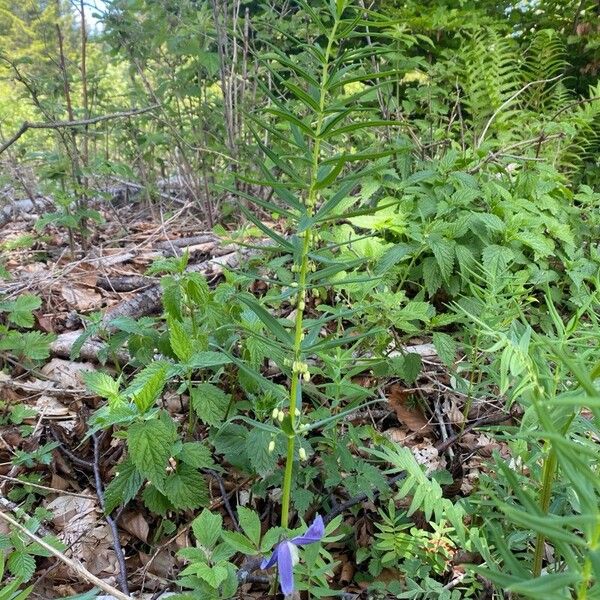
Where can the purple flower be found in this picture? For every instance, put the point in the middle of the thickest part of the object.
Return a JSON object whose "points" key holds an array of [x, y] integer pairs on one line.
{"points": [[286, 554]]}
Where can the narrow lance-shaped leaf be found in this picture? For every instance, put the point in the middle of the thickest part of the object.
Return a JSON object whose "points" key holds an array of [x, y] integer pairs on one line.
{"points": [[270, 322]]}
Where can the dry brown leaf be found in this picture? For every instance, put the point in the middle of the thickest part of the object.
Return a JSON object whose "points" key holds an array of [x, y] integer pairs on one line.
{"points": [[51, 408], [77, 522], [161, 565], [72, 514], [80, 297], [46, 323], [427, 455], [408, 414], [135, 524], [396, 434], [66, 373], [346, 574]]}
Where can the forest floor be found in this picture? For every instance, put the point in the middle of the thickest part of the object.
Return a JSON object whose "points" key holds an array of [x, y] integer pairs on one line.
{"points": [[45, 464]]}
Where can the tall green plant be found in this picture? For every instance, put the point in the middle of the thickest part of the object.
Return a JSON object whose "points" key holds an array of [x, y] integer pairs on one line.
{"points": [[314, 169], [549, 496]]}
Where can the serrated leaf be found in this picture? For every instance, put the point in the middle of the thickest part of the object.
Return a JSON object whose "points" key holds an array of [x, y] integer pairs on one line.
{"points": [[210, 403], [445, 347], [395, 255], [207, 358], [491, 221], [250, 524], [151, 389], [239, 542], [432, 276], [171, 300], [150, 446], [101, 384], [214, 575], [20, 310], [124, 486], [443, 250], [496, 259], [145, 375], [207, 528], [186, 488], [257, 449], [409, 367], [156, 501], [197, 455], [179, 339], [21, 565]]}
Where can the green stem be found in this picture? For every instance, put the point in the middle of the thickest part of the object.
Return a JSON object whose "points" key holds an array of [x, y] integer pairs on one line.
{"points": [[586, 573], [546, 495], [301, 281], [548, 473]]}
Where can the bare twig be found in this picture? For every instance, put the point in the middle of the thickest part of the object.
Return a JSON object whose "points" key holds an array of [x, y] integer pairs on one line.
{"points": [[225, 497], [46, 488], [338, 509], [72, 123], [507, 102], [75, 566], [122, 576], [493, 419]]}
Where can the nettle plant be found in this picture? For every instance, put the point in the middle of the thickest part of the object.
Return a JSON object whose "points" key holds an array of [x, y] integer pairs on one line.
{"points": [[17, 341]]}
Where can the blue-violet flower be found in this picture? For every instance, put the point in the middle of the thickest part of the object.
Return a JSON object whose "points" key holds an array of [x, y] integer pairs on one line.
{"points": [[286, 554]]}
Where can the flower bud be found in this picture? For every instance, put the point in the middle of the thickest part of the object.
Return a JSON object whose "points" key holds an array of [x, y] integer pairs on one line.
{"points": [[306, 376], [302, 454], [297, 412], [271, 446], [280, 416], [275, 413]]}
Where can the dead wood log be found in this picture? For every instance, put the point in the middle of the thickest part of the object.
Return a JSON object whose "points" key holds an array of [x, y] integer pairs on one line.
{"points": [[187, 241], [148, 301], [90, 350], [23, 207], [126, 283]]}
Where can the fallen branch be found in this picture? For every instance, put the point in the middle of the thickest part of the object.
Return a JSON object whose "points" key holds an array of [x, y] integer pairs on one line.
{"points": [[75, 566], [22, 207], [122, 576], [148, 301], [187, 241], [126, 283], [90, 350], [69, 124]]}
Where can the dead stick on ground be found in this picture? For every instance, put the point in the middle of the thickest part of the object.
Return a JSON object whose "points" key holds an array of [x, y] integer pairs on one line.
{"points": [[77, 567], [112, 523]]}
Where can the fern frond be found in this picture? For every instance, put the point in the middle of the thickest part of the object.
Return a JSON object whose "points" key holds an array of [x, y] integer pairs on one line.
{"points": [[491, 77], [546, 59]]}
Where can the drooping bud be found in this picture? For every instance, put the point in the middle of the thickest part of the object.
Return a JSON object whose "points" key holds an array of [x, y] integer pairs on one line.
{"points": [[302, 454], [271, 446], [275, 413]]}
